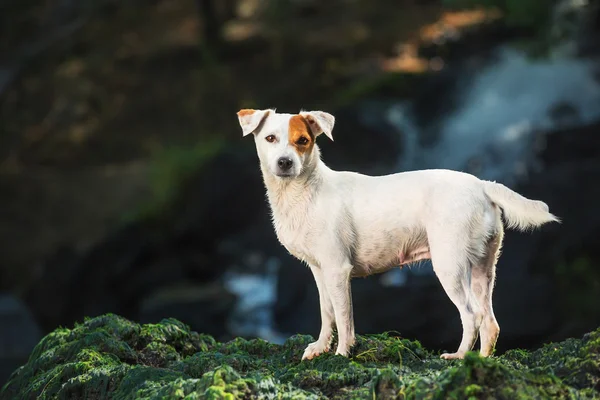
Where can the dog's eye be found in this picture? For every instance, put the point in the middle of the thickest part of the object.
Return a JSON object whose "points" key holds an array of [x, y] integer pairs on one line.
{"points": [[302, 141], [270, 138]]}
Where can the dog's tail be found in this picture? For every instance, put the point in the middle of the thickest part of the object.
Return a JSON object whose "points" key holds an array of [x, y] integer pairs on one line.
{"points": [[519, 212]]}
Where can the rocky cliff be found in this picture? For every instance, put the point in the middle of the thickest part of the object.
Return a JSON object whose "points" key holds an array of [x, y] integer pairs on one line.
{"points": [[112, 357]]}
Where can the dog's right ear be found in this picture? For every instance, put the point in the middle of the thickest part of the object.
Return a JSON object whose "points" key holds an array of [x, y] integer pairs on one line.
{"points": [[319, 122], [251, 119]]}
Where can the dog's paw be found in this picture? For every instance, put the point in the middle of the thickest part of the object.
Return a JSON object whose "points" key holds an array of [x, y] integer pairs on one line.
{"points": [[315, 349], [345, 350], [452, 356], [343, 353]]}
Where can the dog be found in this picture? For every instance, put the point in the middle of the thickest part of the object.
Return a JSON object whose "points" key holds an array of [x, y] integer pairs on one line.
{"points": [[345, 225]]}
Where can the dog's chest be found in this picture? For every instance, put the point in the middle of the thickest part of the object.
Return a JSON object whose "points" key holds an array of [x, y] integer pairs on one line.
{"points": [[294, 233]]}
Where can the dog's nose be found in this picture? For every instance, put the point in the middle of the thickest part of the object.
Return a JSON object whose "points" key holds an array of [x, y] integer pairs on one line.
{"points": [[284, 163]]}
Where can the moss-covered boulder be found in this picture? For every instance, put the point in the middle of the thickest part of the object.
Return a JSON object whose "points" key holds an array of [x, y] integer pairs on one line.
{"points": [[109, 357]]}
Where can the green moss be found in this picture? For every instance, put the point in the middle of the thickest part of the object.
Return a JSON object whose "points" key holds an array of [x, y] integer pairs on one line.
{"points": [[142, 382], [385, 348], [490, 379], [387, 385], [473, 391], [148, 383], [576, 362], [327, 374], [200, 363], [175, 334], [294, 347], [265, 386], [255, 347], [87, 373], [224, 383], [110, 357]]}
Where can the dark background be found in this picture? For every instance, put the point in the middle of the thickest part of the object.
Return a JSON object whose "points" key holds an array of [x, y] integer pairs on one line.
{"points": [[126, 186]]}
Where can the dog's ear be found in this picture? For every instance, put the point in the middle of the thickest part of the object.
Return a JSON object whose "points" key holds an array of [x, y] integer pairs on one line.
{"points": [[251, 119], [319, 122]]}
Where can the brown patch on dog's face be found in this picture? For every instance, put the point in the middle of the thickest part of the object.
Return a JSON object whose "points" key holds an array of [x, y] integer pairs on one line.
{"points": [[300, 135], [246, 111]]}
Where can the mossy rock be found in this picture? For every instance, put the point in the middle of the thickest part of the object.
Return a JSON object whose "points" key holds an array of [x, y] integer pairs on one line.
{"points": [[109, 357]]}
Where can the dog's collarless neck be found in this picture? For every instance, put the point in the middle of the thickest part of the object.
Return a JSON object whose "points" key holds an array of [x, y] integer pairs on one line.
{"points": [[294, 192]]}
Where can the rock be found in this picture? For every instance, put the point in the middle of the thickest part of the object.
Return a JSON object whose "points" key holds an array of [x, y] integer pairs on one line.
{"points": [[19, 333], [111, 357]]}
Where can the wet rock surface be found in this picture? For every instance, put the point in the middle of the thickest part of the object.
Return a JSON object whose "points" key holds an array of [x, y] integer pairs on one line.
{"points": [[111, 357]]}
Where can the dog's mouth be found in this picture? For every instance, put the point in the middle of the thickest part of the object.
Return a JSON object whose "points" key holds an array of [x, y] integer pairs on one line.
{"points": [[284, 174]]}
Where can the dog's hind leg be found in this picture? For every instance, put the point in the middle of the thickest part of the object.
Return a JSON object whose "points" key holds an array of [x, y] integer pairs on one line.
{"points": [[453, 268], [483, 276], [327, 319]]}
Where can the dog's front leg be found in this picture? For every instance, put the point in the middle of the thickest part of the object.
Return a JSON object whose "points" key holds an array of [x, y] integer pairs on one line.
{"points": [[337, 283], [327, 319]]}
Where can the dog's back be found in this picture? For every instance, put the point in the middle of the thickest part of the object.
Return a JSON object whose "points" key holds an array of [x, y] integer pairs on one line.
{"points": [[389, 220]]}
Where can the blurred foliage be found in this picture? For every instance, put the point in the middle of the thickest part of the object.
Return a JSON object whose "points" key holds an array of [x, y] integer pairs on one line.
{"points": [[528, 14], [170, 168], [131, 75], [400, 84], [544, 25]]}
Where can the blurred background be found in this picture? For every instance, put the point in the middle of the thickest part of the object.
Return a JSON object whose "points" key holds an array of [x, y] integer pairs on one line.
{"points": [[126, 186]]}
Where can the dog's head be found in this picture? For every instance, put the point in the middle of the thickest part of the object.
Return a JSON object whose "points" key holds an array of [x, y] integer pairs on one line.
{"points": [[285, 142]]}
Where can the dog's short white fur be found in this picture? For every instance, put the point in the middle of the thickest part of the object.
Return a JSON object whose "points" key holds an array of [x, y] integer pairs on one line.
{"points": [[345, 225]]}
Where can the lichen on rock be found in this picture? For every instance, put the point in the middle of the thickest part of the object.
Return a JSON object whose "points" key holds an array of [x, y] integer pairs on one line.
{"points": [[109, 357]]}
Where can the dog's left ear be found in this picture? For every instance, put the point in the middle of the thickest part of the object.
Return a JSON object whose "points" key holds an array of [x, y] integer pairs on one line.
{"points": [[319, 122], [251, 119]]}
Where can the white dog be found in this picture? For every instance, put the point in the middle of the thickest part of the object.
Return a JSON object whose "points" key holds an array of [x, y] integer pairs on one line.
{"points": [[345, 225]]}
